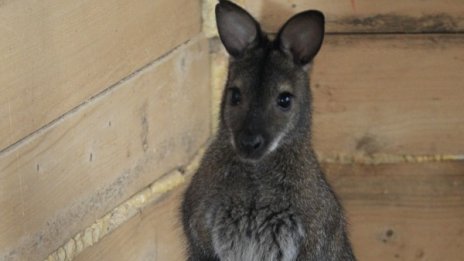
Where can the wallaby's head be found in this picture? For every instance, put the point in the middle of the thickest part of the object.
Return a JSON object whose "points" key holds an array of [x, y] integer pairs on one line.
{"points": [[266, 102]]}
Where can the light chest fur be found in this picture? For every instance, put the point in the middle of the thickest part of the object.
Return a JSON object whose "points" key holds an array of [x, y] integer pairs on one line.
{"points": [[262, 225]]}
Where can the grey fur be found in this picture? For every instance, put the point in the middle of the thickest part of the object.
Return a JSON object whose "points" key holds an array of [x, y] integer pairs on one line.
{"points": [[269, 201]]}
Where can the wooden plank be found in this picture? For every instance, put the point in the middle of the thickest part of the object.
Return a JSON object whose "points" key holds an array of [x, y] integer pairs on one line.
{"points": [[389, 94], [154, 234], [366, 16], [396, 212], [393, 94], [56, 54], [405, 211], [68, 176]]}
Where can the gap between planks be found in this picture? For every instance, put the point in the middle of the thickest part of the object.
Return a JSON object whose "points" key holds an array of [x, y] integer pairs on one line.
{"points": [[100, 95], [380, 158], [126, 210], [177, 177]]}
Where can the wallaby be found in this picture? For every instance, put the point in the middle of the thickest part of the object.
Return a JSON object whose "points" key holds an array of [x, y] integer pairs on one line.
{"points": [[259, 193]]}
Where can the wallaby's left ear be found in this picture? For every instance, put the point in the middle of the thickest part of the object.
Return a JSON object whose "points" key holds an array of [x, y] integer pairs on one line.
{"points": [[302, 35], [237, 29]]}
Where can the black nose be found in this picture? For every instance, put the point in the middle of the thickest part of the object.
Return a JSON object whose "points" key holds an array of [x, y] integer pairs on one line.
{"points": [[252, 142]]}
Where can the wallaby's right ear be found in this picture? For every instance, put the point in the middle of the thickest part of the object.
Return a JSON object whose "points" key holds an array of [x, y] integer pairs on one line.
{"points": [[302, 35], [238, 30]]}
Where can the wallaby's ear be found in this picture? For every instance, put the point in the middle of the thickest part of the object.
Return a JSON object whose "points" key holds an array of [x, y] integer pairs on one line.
{"points": [[302, 35], [237, 28]]}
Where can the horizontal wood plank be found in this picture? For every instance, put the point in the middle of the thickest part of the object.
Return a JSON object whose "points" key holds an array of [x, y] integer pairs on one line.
{"points": [[389, 94], [68, 176], [154, 234], [366, 16], [404, 211], [56, 54], [395, 212]]}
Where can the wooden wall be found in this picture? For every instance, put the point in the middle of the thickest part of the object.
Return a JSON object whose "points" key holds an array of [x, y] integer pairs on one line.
{"points": [[367, 16], [101, 100], [98, 99]]}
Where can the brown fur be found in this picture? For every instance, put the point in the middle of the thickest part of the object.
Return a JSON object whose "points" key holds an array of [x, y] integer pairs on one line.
{"points": [[259, 193]]}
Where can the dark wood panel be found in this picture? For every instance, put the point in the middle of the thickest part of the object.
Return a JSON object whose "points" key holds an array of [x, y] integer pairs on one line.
{"points": [[366, 16], [393, 94], [403, 211]]}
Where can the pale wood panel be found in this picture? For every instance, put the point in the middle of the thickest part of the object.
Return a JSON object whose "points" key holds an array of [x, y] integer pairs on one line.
{"points": [[366, 15], [389, 94], [65, 178], [56, 54], [405, 211], [155, 234]]}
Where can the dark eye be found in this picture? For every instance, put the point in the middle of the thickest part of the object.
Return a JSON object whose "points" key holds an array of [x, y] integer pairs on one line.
{"points": [[285, 100], [235, 96]]}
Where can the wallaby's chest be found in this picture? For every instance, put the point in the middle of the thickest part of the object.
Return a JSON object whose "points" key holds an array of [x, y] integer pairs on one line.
{"points": [[247, 223]]}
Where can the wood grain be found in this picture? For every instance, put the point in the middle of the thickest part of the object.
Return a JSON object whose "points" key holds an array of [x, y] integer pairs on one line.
{"points": [[68, 176], [395, 212], [366, 16], [404, 211], [56, 54], [154, 234], [389, 94]]}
